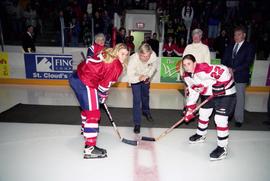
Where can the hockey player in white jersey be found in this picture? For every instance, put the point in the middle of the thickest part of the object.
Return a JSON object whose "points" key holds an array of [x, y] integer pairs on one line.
{"points": [[204, 80]]}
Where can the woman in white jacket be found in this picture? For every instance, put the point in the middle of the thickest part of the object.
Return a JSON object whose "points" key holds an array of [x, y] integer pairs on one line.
{"points": [[142, 65]]}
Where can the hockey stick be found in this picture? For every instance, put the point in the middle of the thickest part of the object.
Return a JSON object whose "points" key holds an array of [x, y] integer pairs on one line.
{"points": [[177, 123], [83, 56], [130, 142]]}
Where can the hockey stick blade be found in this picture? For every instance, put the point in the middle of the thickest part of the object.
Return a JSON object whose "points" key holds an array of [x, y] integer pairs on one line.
{"points": [[144, 138], [130, 142]]}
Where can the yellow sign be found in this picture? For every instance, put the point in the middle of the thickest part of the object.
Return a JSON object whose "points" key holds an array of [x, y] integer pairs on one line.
{"points": [[4, 66]]}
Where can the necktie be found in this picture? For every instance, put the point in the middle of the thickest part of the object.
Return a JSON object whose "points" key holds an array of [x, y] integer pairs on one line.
{"points": [[235, 50]]}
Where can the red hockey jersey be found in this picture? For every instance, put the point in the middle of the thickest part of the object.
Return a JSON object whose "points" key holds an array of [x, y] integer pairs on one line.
{"points": [[204, 77], [99, 75]]}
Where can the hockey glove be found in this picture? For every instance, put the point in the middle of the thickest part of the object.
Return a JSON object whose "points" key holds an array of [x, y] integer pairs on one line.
{"points": [[218, 90], [102, 96], [189, 115], [184, 111]]}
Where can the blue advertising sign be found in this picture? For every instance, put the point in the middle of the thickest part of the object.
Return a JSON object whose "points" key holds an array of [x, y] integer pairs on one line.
{"points": [[47, 66]]}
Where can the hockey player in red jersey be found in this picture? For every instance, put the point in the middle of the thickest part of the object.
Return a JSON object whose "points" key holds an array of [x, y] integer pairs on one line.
{"points": [[93, 55], [91, 83], [204, 80]]}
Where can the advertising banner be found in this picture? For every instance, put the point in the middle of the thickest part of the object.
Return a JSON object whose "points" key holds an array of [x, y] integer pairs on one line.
{"points": [[47, 66], [168, 72], [4, 66]]}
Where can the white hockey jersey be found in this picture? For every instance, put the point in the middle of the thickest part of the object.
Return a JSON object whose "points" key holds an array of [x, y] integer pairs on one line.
{"points": [[204, 77]]}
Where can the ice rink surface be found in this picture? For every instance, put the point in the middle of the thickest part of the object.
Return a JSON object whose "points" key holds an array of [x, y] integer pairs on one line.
{"points": [[51, 152]]}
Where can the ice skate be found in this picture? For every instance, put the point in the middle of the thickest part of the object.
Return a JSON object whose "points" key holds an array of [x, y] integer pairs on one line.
{"points": [[196, 139], [218, 154], [91, 152]]}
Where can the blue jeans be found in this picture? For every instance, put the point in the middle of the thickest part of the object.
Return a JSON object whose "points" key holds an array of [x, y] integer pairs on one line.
{"points": [[140, 93]]}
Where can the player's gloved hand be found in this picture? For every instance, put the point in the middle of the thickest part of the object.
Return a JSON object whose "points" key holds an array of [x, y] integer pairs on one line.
{"points": [[102, 96], [189, 115], [218, 89], [184, 111]]}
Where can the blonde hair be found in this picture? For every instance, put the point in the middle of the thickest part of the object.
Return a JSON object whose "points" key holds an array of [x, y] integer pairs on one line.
{"points": [[145, 48], [110, 54]]}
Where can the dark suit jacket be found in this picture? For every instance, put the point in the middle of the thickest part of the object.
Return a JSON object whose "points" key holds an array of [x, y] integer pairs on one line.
{"points": [[28, 42], [241, 63]]}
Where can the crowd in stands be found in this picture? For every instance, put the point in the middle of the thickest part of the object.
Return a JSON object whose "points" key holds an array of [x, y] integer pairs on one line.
{"points": [[217, 19]]}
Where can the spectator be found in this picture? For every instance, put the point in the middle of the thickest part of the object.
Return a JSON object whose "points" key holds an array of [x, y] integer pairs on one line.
{"points": [[169, 28], [76, 9], [86, 30], [187, 16], [213, 23], [181, 31], [98, 23], [154, 43], [199, 50], [30, 16], [121, 36], [107, 22], [181, 46], [74, 32], [239, 58], [28, 42], [232, 9], [140, 70], [130, 44], [170, 48], [221, 42], [93, 52], [89, 8], [146, 39]]}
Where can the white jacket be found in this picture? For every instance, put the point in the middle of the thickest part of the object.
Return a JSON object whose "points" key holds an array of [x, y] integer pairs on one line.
{"points": [[200, 51], [136, 67], [204, 77]]}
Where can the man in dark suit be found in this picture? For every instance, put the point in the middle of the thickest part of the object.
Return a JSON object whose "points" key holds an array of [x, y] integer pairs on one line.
{"points": [[28, 40], [239, 58]]}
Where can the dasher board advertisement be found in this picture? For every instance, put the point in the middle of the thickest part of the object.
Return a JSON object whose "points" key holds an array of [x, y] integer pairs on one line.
{"points": [[48, 66]]}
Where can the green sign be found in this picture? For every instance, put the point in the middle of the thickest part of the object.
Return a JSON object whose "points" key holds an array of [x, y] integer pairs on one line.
{"points": [[168, 72]]}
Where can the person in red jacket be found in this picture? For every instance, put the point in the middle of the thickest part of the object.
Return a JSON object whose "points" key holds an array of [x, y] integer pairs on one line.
{"points": [[91, 83], [170, 49], [93, 52]]}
